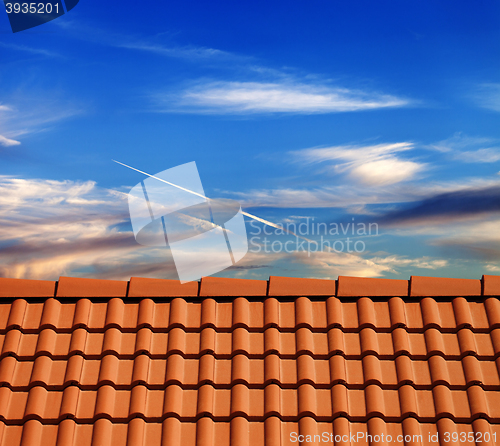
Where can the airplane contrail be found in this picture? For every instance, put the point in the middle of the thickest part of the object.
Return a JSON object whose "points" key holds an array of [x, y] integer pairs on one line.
{"points": [[254, 217]]}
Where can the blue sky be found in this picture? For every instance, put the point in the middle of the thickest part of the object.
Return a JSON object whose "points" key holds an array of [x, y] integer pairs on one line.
{"points": [[345, 112]]}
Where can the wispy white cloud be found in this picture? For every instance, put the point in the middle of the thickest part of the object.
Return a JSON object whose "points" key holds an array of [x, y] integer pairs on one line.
{"points": [[32, 114], [264, 89], [6, 142], [331, 264], [273, 97], [376, 165], [148, 44], [185, 52], [28, 49], [469, 149], [490, 155], [493, 268], [487, 95], [346, 195]]}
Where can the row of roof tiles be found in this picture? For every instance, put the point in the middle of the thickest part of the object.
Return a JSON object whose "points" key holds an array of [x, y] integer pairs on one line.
{"points": [[417, 286], [242, 432], [255, 373], [87, 406], [253, 344], [254, 315]]}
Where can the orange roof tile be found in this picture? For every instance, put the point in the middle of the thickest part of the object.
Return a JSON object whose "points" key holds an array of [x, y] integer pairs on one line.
{"points": [[244, 362]]}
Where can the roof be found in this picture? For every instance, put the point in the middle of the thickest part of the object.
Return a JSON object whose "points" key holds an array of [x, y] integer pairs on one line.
{"points": [[248, 362]]}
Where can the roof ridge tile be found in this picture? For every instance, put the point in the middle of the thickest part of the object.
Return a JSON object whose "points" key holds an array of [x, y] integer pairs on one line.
{"points": [[421, 286], [223, 287], [368, 287], [79, 287], [16, 288], [144, 287], [294, 286], [491, 285]]}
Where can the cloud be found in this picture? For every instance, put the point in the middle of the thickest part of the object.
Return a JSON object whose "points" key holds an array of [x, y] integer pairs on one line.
{"points": [[331, 264], [487, 95], [149, 44], [385, 171], [493, 268], [49, 228], [469, 149], [448, 207], [473, 239], [355, 196], [6, 142], [185, 52], [376, 165], [480, 156], [273, 97], [463, 223], [27, 49], [32, 114]]}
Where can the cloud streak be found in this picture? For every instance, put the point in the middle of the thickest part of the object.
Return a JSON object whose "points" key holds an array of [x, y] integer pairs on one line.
{"points": [[190, 52], [469, 149], [31, 115], [6, 142], [273, 97], [27, 49], [449, 207], [487, 95], [376, 165]]}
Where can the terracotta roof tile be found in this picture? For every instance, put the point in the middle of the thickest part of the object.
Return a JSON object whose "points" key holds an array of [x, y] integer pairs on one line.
{"points": [[491, 285], [360, 286], [437, 286], [76, 287], [153, 363], [26, 288], [291, 286], [215, 286], [140, 287]]}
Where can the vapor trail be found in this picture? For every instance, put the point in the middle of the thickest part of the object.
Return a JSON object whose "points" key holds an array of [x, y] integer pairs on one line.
{"points": [[254, 217]]}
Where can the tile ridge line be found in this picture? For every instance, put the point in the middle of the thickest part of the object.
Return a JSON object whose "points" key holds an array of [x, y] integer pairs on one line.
{"points": [[411, 293]]}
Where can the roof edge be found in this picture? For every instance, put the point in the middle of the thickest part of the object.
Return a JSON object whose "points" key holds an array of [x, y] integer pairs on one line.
{"points": [[138, 287]]}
